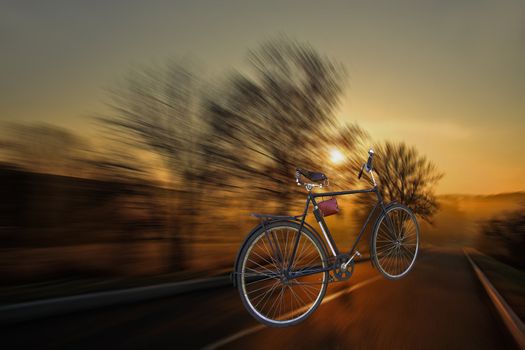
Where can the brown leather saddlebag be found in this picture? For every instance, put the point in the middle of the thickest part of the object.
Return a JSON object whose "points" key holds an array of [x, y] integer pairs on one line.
{"points": [[328, 207]]}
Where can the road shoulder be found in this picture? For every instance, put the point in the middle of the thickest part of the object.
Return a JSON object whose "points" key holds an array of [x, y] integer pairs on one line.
{"points": [[514, 324]]}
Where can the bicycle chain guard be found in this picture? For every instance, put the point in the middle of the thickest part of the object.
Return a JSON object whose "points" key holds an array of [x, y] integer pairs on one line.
{"points": [[340, 273]]}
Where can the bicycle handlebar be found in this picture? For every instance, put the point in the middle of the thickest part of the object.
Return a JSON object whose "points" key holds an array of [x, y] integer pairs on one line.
{"points": [[368, 166]]}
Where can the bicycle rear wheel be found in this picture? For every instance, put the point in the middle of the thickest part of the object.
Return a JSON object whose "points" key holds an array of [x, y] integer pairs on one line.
{"points": [[395, 242], [265, 291]]}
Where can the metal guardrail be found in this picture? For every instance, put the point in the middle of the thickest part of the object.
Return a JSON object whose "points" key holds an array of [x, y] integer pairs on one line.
{"points": [[58, 306], [513, 323]]}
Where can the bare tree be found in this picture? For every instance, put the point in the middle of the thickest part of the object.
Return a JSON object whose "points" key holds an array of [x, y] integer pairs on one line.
{"points": [[407, 177]]}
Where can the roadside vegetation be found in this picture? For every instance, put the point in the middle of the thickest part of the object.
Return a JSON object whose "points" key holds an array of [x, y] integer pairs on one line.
{"points": [[503, 237]]}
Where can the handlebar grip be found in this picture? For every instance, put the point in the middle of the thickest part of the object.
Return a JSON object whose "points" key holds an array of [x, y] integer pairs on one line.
{"points": [[369, 161]]}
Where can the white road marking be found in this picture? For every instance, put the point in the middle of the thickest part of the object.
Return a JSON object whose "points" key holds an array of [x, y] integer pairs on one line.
{"points": [[254, 329]]}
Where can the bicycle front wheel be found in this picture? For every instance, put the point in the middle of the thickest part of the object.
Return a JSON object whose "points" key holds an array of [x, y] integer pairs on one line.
{"points": [[395, 242], [268, 294]]}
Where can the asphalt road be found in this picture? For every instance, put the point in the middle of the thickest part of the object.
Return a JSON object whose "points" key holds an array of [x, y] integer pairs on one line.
{"points": [[439, 305]]}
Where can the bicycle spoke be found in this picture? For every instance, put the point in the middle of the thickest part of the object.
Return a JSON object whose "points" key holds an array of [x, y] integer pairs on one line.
{"points": [[271, 263], [269, 251], [264, 268]]}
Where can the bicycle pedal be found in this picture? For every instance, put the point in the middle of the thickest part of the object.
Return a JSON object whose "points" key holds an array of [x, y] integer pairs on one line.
{"points": [[356, 255]]}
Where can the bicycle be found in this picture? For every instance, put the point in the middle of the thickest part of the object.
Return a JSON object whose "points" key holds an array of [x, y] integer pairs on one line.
{"points": [[283, 267]]}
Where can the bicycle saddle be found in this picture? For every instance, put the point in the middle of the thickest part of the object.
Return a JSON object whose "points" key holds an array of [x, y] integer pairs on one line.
{"points": [[311, 175]]}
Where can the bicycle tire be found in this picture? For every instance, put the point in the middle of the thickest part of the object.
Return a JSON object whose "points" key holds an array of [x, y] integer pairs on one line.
{"points": [[395, 241], [299, 313]]}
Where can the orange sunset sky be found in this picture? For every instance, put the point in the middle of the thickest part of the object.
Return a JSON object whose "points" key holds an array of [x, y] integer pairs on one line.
{"points": [[445, 76]]}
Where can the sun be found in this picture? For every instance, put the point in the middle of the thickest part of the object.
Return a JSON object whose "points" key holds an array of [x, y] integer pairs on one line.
{"points": [[336, 156]]}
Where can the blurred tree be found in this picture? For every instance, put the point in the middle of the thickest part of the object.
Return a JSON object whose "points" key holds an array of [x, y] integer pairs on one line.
{"points": [[504, 237], [405, 176], [156, 109], [275, 117]]}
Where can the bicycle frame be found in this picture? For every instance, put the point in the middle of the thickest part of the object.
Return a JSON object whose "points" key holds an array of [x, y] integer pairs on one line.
{"points": [[311, 198]]}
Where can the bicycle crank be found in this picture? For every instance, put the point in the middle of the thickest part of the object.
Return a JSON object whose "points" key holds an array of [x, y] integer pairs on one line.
{"points": [[344, 267]]}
